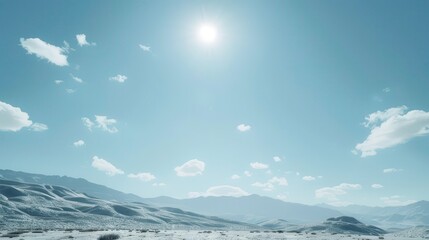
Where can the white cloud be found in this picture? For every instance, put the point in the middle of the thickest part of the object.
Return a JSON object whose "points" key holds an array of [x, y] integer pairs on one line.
{"points": [[219, 191], [258, 165], [247, 173], [102, 122], [282, 197], [277, 159], [118, 78], [144, 47], [81, 40], [308, 178], [243, 127], [235, 177], [105, 166], [144, 176], [43, 50], [386, 90], [87, 123], [12, 118], [38, 127], [332, 193], [271, 183], [70, 91], [77, 79], [79, 143], [377, 186], [58, 81], [396, 201], [190, 168], [392, 127], [391, 170], [159, 184]]}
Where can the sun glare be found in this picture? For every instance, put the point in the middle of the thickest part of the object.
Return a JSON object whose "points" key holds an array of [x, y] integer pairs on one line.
{"points": [[207, 33]]}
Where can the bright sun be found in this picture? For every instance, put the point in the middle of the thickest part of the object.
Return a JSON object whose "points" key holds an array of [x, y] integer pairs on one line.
{"points": [[207, 33]]}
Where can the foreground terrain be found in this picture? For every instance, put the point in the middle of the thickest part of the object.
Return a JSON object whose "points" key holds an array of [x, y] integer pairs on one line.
{"points": [[193, 234]]}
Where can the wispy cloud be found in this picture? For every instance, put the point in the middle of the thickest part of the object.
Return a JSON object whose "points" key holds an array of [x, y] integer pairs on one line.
{"points": [[386, 90], [70, 91], [190, 168], [219, 191], [144, 176], [118, 78], [396, 201], [38, 127], [377, 186], [277, 159], [44, 50], [235, 177], [247, 173], [243, 127], [77, 79], [102, 122], [271, 183], [391, 170], [79, 143], [105, 166], [392, 127], [159, 184], [331, 193], [58, 81], [14, 119], [144, 48], [258, 165], [308, 178], [81, 40]]}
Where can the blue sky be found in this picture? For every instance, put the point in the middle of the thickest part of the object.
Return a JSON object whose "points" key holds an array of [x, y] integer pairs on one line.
{"points": [[311, 102]]}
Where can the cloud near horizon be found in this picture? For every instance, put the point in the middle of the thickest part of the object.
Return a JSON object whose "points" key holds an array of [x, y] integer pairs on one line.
{"points": [[220, 191], [271, 183], [143, 176], [392, 127], [105, 166], [44, 50], [331, 193], [190, 168]]}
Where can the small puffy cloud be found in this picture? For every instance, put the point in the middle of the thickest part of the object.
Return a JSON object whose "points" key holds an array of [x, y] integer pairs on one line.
{"points": [[58, 81], [81, 40], [77, 79], [144, 47], [235, 177], [332, 193], [12, 118], [190, 168], [144, 176], [377, 186], [258, 165], [38, 127], [118, 78], [102, 122], [277, 159], [392, 127], [271, 183], [247, 173], [396, 201], [220, 191], [391, 170], [43, 50], [243, 127], [70, 91], [79, 143], [159, 184], [105, 166], [308, 178]]}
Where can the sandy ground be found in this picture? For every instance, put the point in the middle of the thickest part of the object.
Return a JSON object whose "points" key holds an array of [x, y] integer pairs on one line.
{"points": [[192, 235]]}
